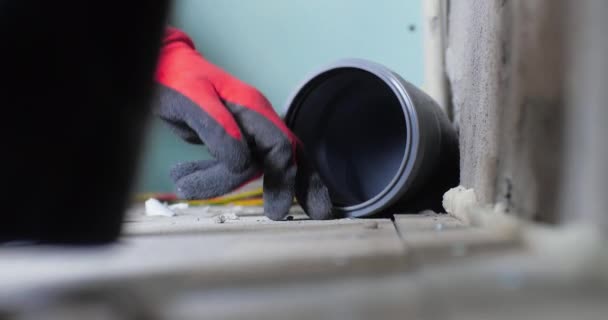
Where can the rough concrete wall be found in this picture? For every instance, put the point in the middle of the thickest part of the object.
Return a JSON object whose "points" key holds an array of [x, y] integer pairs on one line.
{"points": [[531, 123], [504, 61], [474, 55], [585, 196]]}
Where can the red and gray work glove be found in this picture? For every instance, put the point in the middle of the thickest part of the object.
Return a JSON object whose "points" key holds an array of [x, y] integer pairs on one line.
{"points": [[204, 104]]}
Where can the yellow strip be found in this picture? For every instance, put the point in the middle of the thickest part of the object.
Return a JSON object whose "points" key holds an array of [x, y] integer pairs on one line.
{"points": [[249, 202], [219, 200]]}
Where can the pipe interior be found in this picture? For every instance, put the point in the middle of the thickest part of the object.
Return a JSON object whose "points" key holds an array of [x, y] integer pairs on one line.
{"points": [[353, 127]]}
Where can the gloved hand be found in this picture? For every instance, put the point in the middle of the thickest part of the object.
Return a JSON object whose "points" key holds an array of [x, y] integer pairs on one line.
{"points": [[204, 104]]}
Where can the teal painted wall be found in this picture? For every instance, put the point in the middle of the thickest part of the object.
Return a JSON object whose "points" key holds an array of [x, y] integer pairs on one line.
{"points": [[274, 44]]}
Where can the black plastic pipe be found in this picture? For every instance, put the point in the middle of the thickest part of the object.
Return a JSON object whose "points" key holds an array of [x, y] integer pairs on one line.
{"points": [[380, 144]]}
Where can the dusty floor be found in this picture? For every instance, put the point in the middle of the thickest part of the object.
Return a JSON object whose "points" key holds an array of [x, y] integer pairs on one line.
{"points": [[199, 266]]}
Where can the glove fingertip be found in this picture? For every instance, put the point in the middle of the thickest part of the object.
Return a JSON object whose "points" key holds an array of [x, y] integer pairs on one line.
{"points": [[183, 191], [277, 202], [181, 170], [312, 193], [276, 209], [314, 199], [198, 185]]}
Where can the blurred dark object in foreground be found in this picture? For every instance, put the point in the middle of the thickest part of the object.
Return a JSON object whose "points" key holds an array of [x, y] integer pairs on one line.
{"points": [[77, 78]]}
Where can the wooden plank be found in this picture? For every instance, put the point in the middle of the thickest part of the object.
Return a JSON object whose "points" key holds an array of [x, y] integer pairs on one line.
{"points": [[206, 220], [518, 285], [432, 237], [441, 245], [427, 221], [287, 250], [383, 296]]}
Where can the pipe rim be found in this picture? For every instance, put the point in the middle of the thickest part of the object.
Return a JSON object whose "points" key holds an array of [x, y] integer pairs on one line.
{"points": [[396, 187]]}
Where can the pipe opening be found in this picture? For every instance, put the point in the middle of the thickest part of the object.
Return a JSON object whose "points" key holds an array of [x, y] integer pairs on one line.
{"points": [[354, 128]]}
